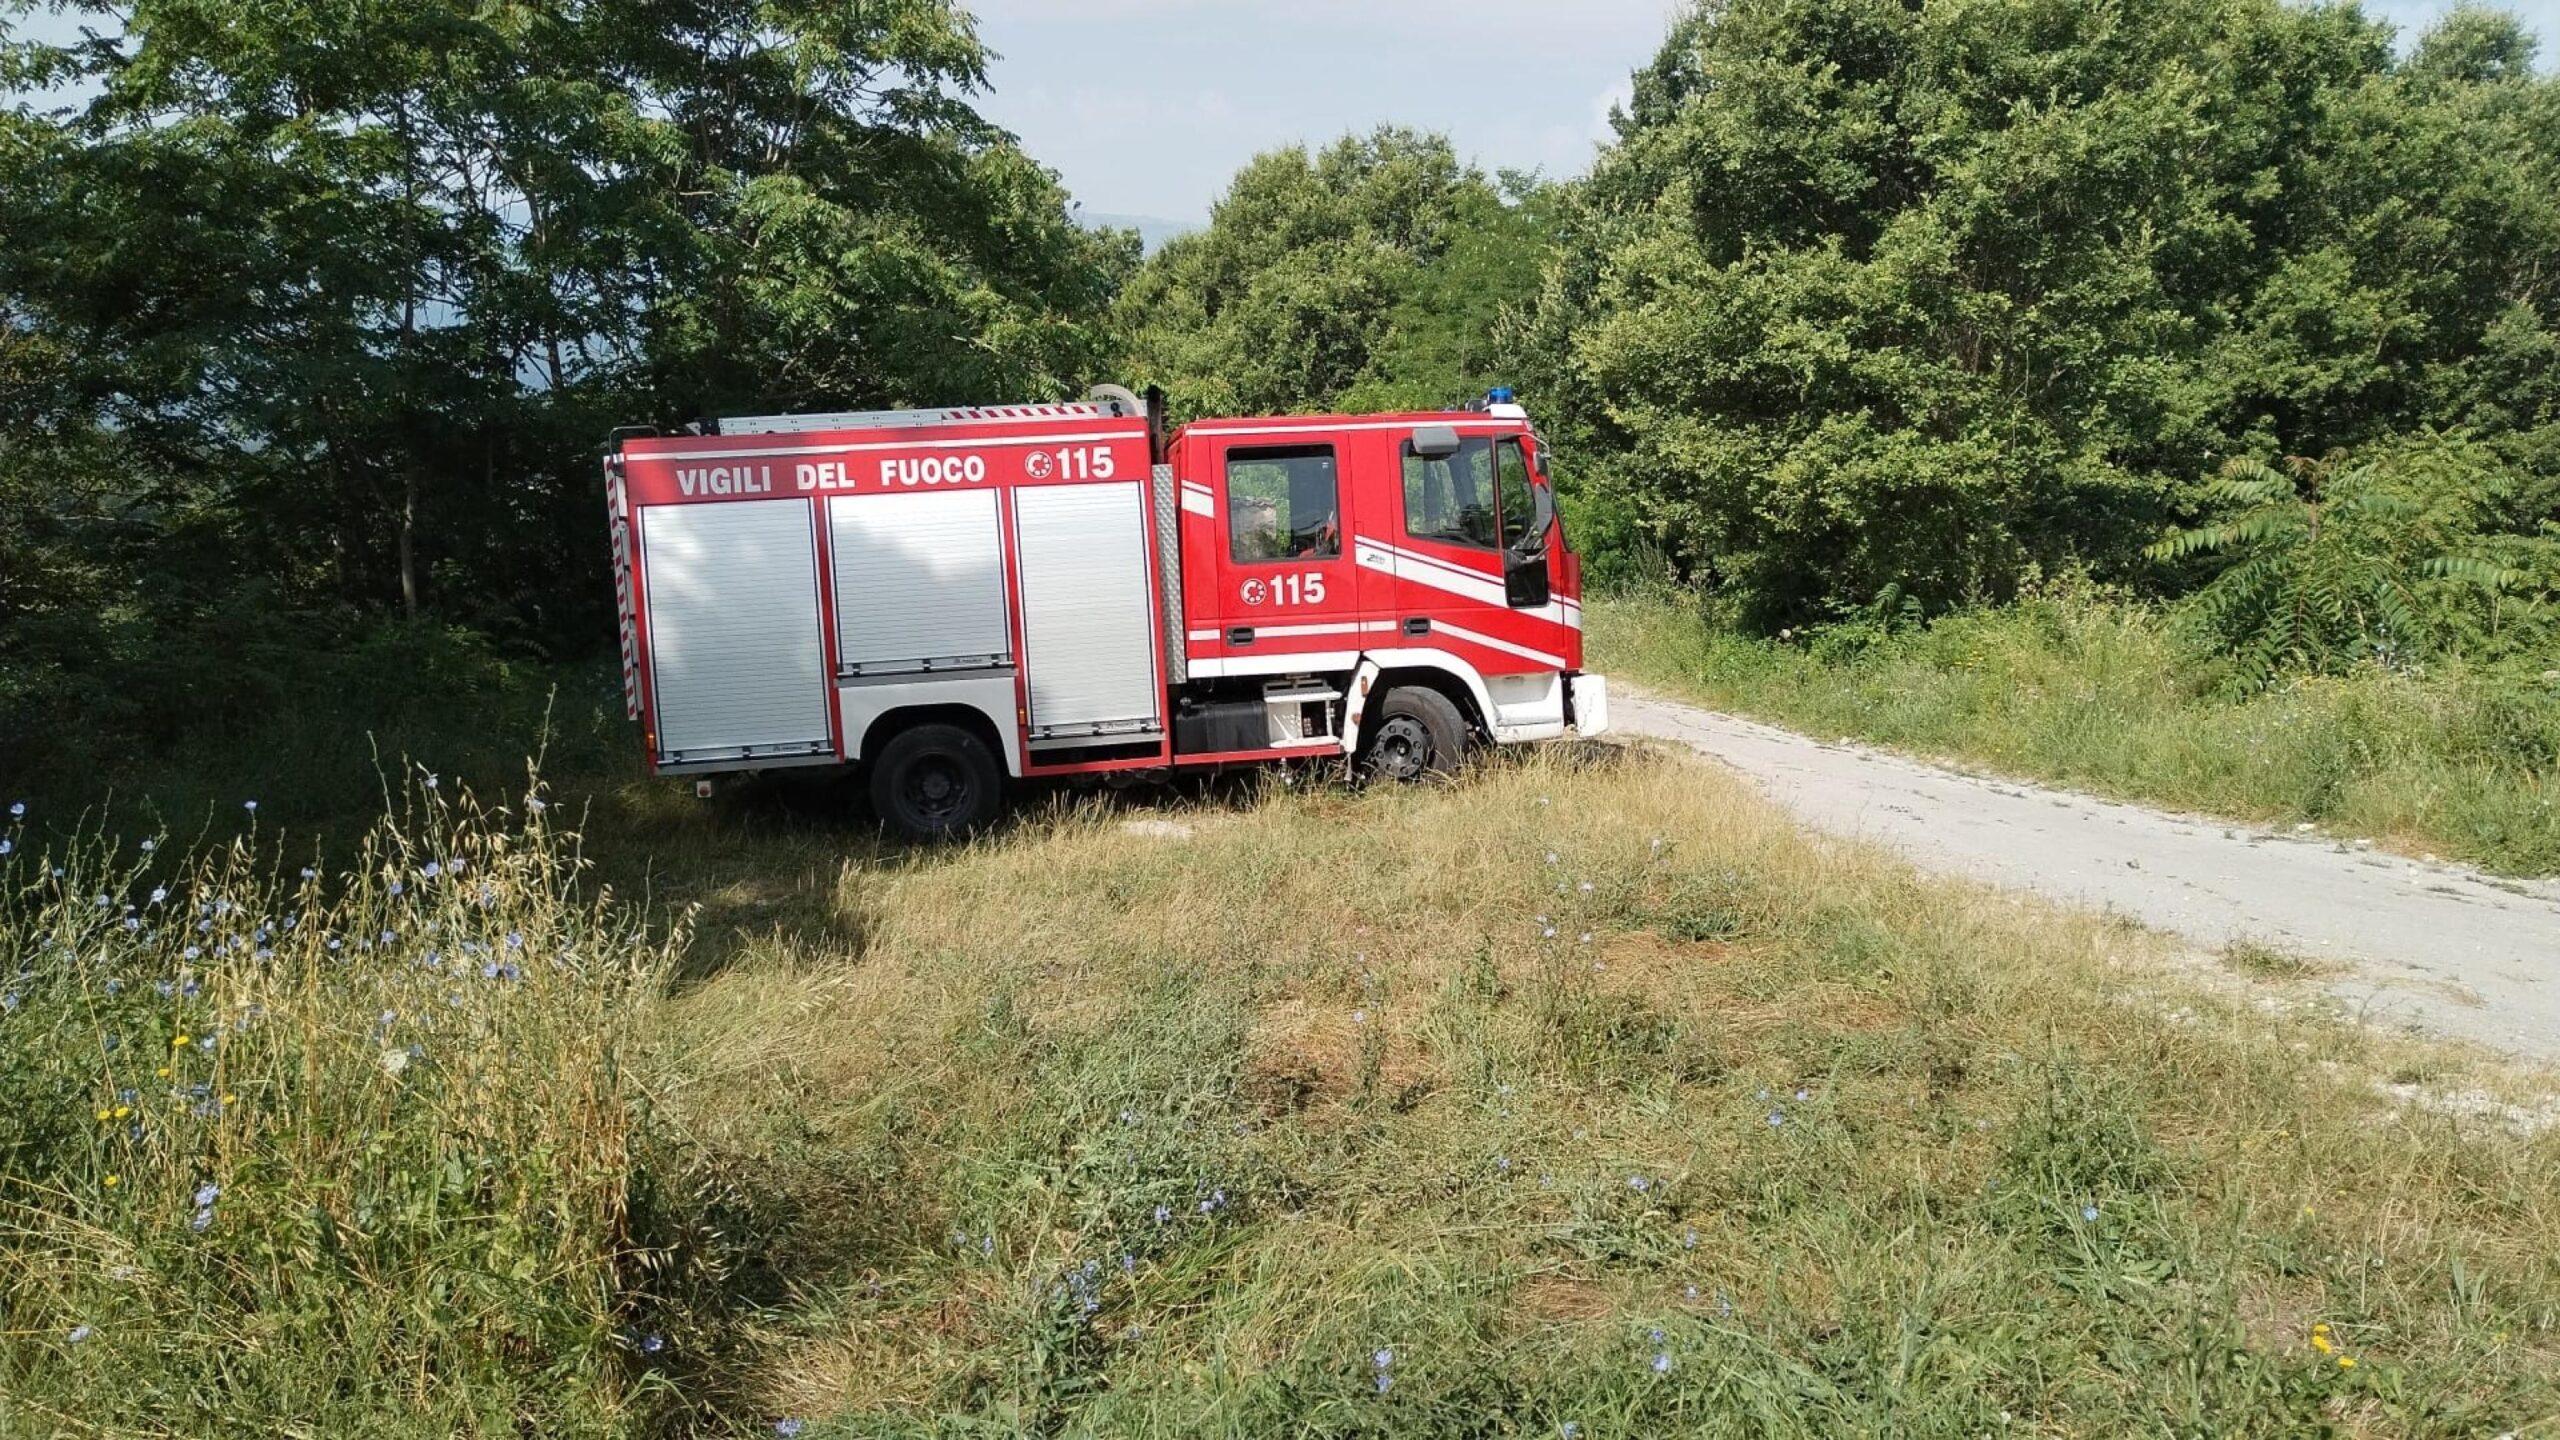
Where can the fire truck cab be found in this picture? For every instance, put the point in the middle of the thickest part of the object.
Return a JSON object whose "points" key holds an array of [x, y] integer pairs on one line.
{"points": [[959, 599]]}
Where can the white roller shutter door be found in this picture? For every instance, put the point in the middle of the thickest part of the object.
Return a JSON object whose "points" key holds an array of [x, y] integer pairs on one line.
{"points": [[737, 653], [919, 582], [1088, 611]]}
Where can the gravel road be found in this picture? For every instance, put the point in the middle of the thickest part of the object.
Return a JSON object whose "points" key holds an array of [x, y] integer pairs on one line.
{"points": [[2437, 947]]}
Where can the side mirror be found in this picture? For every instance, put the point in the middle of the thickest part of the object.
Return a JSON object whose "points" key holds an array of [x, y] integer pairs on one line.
{"points": [[1435, 442]]}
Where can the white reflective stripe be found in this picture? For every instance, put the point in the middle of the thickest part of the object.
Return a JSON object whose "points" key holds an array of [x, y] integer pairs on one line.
{"points": [[991, 441], [1196, 503], [1196, 485], [1284, 632], [1489, 422], [1278, 662], [1290, 632], [1439, 574], [1439, 627]]}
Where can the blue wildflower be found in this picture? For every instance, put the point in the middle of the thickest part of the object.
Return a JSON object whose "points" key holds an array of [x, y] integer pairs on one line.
{"points": [[1638, 1183], [787, 1428], [207, 1193], [78, 1332], [1777, 1118], [202, 1220], [1383, 1359], [1571, 1430], [6, 846], [18, 811], [1386, 1382], [1662, 1362], [1163, 1214], [653, 1344], [2089, 1213], [515, 940], [249, 805]]}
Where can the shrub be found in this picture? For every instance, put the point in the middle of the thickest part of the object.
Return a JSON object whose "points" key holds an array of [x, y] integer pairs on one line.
{"points": [[349, 1151]]}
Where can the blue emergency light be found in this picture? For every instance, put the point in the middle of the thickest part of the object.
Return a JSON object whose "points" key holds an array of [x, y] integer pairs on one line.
{"points": [[1498, 395]]}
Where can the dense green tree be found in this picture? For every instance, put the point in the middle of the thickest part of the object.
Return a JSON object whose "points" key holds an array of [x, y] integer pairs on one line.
{"points": [[326, 311], [1879, 298], [1368, 275]]}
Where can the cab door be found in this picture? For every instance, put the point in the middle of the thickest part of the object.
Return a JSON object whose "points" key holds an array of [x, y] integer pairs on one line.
{"points": [[1473, 567], [1284, 583]]}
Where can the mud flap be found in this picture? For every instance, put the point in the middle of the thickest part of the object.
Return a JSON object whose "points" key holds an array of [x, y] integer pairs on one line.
{"points": [[1355, 708], [1587, 700]]}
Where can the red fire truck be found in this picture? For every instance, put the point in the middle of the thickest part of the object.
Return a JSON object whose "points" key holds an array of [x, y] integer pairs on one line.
{"points": [[959, 599]]}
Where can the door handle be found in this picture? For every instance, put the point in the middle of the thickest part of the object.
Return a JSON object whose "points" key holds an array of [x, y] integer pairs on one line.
{"points": [[1240, 635], [1417, 625]]}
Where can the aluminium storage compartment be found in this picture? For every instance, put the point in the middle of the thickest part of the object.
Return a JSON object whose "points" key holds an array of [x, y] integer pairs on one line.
{"points": [[1088, 605], [737, 652], [919, 582]]}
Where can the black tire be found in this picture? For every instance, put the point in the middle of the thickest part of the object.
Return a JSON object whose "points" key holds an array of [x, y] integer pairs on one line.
{"points": [[935, 783], [1418, 733]]}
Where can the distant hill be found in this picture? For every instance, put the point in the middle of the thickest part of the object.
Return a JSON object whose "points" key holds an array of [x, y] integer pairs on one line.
{"points": [[1155, 230]]}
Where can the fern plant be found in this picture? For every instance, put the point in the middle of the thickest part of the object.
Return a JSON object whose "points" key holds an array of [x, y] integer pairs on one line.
{"points": [[2388, 558]]}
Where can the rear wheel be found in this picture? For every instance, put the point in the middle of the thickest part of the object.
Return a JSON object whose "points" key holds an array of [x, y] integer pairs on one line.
{"points": [[935, 782], [1419, 733]]}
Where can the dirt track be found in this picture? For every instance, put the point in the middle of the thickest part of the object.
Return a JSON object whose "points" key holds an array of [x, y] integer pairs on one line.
{"points": [[2438, 947]]}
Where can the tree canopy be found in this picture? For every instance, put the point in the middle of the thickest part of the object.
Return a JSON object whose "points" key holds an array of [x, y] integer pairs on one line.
{"points": [[1369, 275], [1872, 299]]}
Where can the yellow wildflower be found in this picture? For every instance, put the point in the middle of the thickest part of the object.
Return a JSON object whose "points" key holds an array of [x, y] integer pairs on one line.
{"points": [[163, 1072], [178, 1042], [2346, 1362], [104, 1116], [2320, 1342], [122, 1111], [113, 1180]]}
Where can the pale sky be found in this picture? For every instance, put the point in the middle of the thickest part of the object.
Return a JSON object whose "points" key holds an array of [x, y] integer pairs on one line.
{"points": [[1147, 107]]}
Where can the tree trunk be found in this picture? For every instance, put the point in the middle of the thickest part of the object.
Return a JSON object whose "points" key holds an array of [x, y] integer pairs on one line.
{"points": [[409, 541]]}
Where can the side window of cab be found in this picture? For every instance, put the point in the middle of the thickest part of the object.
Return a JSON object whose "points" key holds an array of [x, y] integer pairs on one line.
{"points": [[1283, 504], [1451, 498]]}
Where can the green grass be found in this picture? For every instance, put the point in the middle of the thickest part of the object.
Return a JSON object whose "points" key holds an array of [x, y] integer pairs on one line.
{"points": [[2457, 763], [1082, 1131]]}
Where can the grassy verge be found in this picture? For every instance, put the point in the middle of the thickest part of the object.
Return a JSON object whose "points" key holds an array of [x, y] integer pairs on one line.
{"points": [[1582, 1098], [2100, 697]]}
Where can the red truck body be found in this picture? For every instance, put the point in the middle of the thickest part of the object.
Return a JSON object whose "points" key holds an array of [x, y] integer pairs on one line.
{"points": [[1084, 595]]}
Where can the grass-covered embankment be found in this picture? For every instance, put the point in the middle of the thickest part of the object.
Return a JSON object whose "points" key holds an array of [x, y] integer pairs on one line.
{"points": [[2457, 762], [1583, 1097]]}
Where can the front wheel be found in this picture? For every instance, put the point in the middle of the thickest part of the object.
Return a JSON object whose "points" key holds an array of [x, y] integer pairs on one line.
{"points": [[935, 782], [1419, 733]]}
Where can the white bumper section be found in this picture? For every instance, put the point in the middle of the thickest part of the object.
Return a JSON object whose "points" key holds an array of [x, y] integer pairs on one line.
{"points": [[1590, 705]]}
